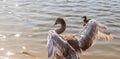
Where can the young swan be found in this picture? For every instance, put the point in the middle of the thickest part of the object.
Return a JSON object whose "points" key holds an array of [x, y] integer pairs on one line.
{"points": [[70, 46]]}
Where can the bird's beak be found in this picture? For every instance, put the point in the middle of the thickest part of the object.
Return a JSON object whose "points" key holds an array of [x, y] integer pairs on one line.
{"points": [[55, 23]]}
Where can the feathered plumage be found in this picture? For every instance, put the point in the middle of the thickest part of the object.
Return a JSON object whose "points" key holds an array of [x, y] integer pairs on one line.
{"points": [[70, 46]]}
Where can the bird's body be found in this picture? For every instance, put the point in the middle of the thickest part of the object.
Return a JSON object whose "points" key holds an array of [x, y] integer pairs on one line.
{"points": [[70, 46]]}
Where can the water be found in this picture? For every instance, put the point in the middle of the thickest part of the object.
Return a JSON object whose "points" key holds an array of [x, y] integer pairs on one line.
{"points": [[24, 25]]}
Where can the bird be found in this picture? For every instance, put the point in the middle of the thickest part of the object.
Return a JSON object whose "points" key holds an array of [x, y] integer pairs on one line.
{"points": [[70, 46]]}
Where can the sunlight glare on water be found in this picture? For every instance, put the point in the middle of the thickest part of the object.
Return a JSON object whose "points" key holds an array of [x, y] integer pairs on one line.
{"points": [[9, 53]]}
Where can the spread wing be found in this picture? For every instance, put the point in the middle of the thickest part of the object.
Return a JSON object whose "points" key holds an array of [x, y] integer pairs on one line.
{"points": [[87, 37], [104, 33], [93, 30], [56, 45]]}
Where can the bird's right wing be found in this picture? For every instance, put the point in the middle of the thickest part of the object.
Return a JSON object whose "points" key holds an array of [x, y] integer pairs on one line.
{"points": [[88, 36], [103, 32]]}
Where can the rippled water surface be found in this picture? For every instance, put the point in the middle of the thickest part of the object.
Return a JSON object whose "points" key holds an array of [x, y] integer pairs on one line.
{"points": [[24, 25]]}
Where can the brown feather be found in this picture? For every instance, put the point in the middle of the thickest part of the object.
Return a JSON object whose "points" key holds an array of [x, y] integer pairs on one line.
{"points": [[72, 41]]}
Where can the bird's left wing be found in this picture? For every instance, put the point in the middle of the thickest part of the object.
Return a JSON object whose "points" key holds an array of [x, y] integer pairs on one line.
{"points": [[56, 44]]}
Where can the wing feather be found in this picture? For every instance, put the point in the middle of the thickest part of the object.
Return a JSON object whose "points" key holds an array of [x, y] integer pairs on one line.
{"points": [[56, 45], [87, 37], [104, 33]]}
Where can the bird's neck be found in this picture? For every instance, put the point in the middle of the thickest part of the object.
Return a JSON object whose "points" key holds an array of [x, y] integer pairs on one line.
{"points": [[62, 28]]}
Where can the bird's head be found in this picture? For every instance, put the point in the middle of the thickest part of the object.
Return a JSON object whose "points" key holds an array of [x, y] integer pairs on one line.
{"points": [[85, 21], [59, 21]]}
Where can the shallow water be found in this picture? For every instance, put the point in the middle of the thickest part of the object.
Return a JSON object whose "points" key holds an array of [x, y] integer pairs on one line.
{"points": [[24, 25]]}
